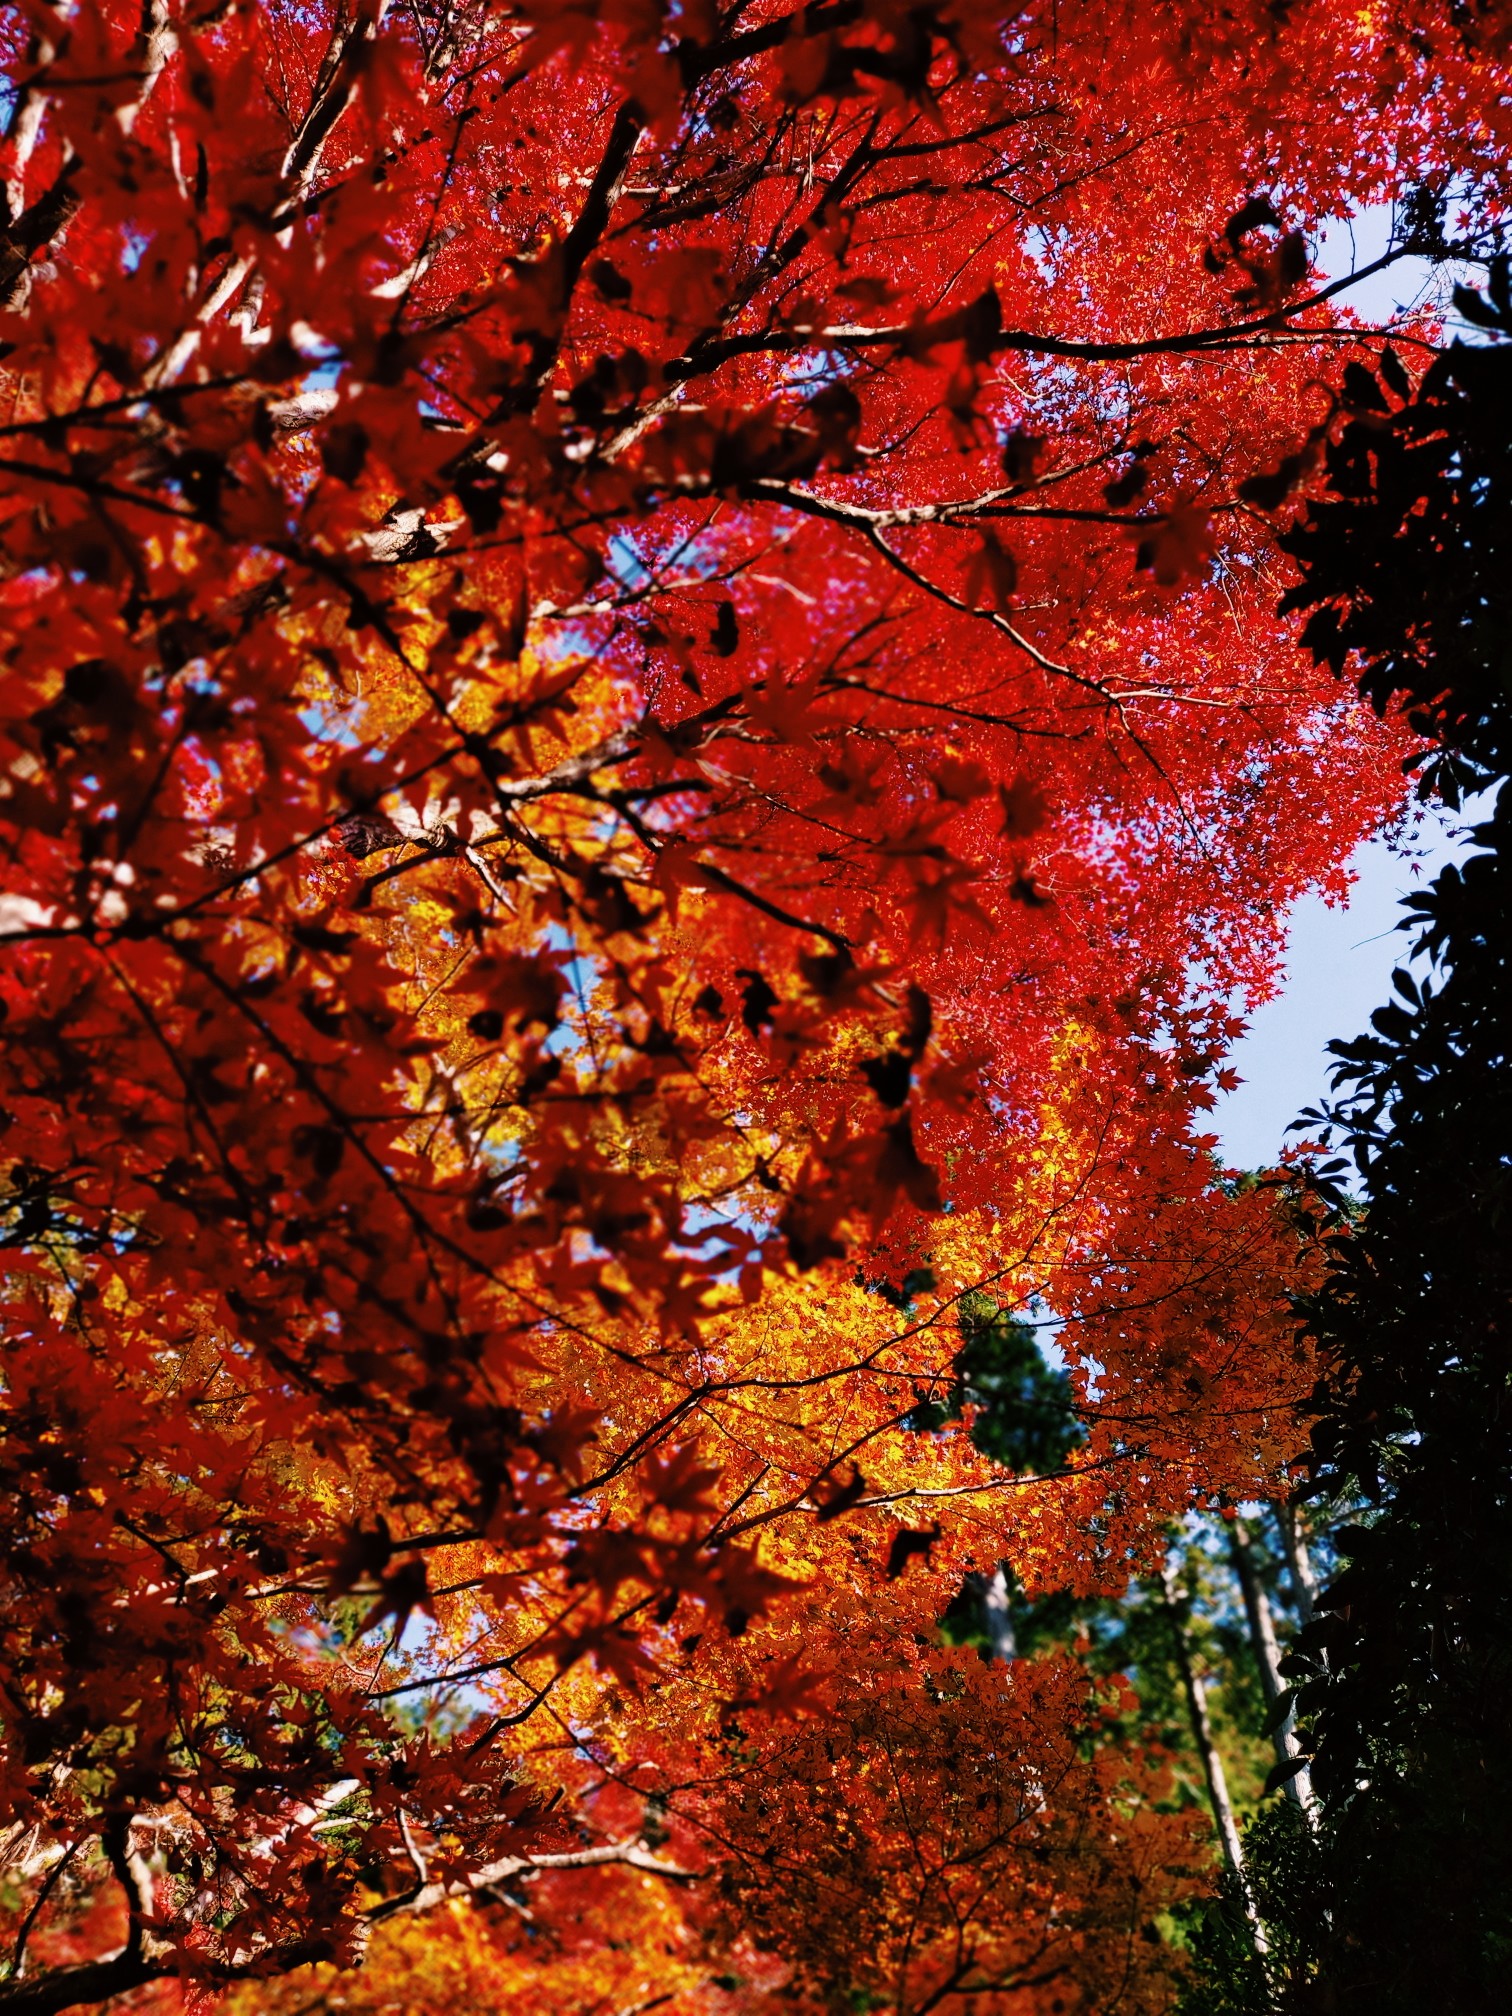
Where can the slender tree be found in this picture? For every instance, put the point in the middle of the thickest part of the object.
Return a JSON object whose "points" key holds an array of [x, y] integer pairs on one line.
{"points": [[1267, 1651]]}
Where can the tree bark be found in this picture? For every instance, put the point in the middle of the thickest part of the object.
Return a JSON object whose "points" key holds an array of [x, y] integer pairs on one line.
{"points": [[998, 1611], [1298, 1562], [1207, 1750], [1262, 1627]]}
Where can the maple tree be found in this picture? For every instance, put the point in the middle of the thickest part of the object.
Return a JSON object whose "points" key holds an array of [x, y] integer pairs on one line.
{"points": [[943, 1828], [641, 745]]}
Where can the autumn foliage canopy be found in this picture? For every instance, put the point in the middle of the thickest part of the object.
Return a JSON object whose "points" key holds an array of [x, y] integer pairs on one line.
{"points": [[644, 741]]}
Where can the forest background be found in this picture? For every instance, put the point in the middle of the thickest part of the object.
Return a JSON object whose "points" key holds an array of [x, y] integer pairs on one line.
{"points": [[649, 763]]}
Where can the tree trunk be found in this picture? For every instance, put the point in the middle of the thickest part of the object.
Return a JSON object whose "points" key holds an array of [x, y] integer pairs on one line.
{"points": [[999, 1614], [1299, 1565], [1298, 1786], [1207, 1749]]}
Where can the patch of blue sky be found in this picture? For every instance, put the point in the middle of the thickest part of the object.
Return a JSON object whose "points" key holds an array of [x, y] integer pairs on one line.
{"points": [[581, 974], [501, 1156], [448, 1700], [565, 1041], [807, 370], [626, 564], [1038, 1317], [1410, 286], [1339, 961], [698, 555], [1039, 242], [326, 721], [706, 1225], [582, 969]]}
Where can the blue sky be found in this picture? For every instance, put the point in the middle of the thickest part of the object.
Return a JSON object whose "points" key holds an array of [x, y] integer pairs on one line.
{"points": [[1338, 970]]}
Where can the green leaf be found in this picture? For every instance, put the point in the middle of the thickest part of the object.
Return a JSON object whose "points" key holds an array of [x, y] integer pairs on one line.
{"points": [[1394, 372], [1278, 1710], [1469, 304], [1278, 1774], [1362, 390]]}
